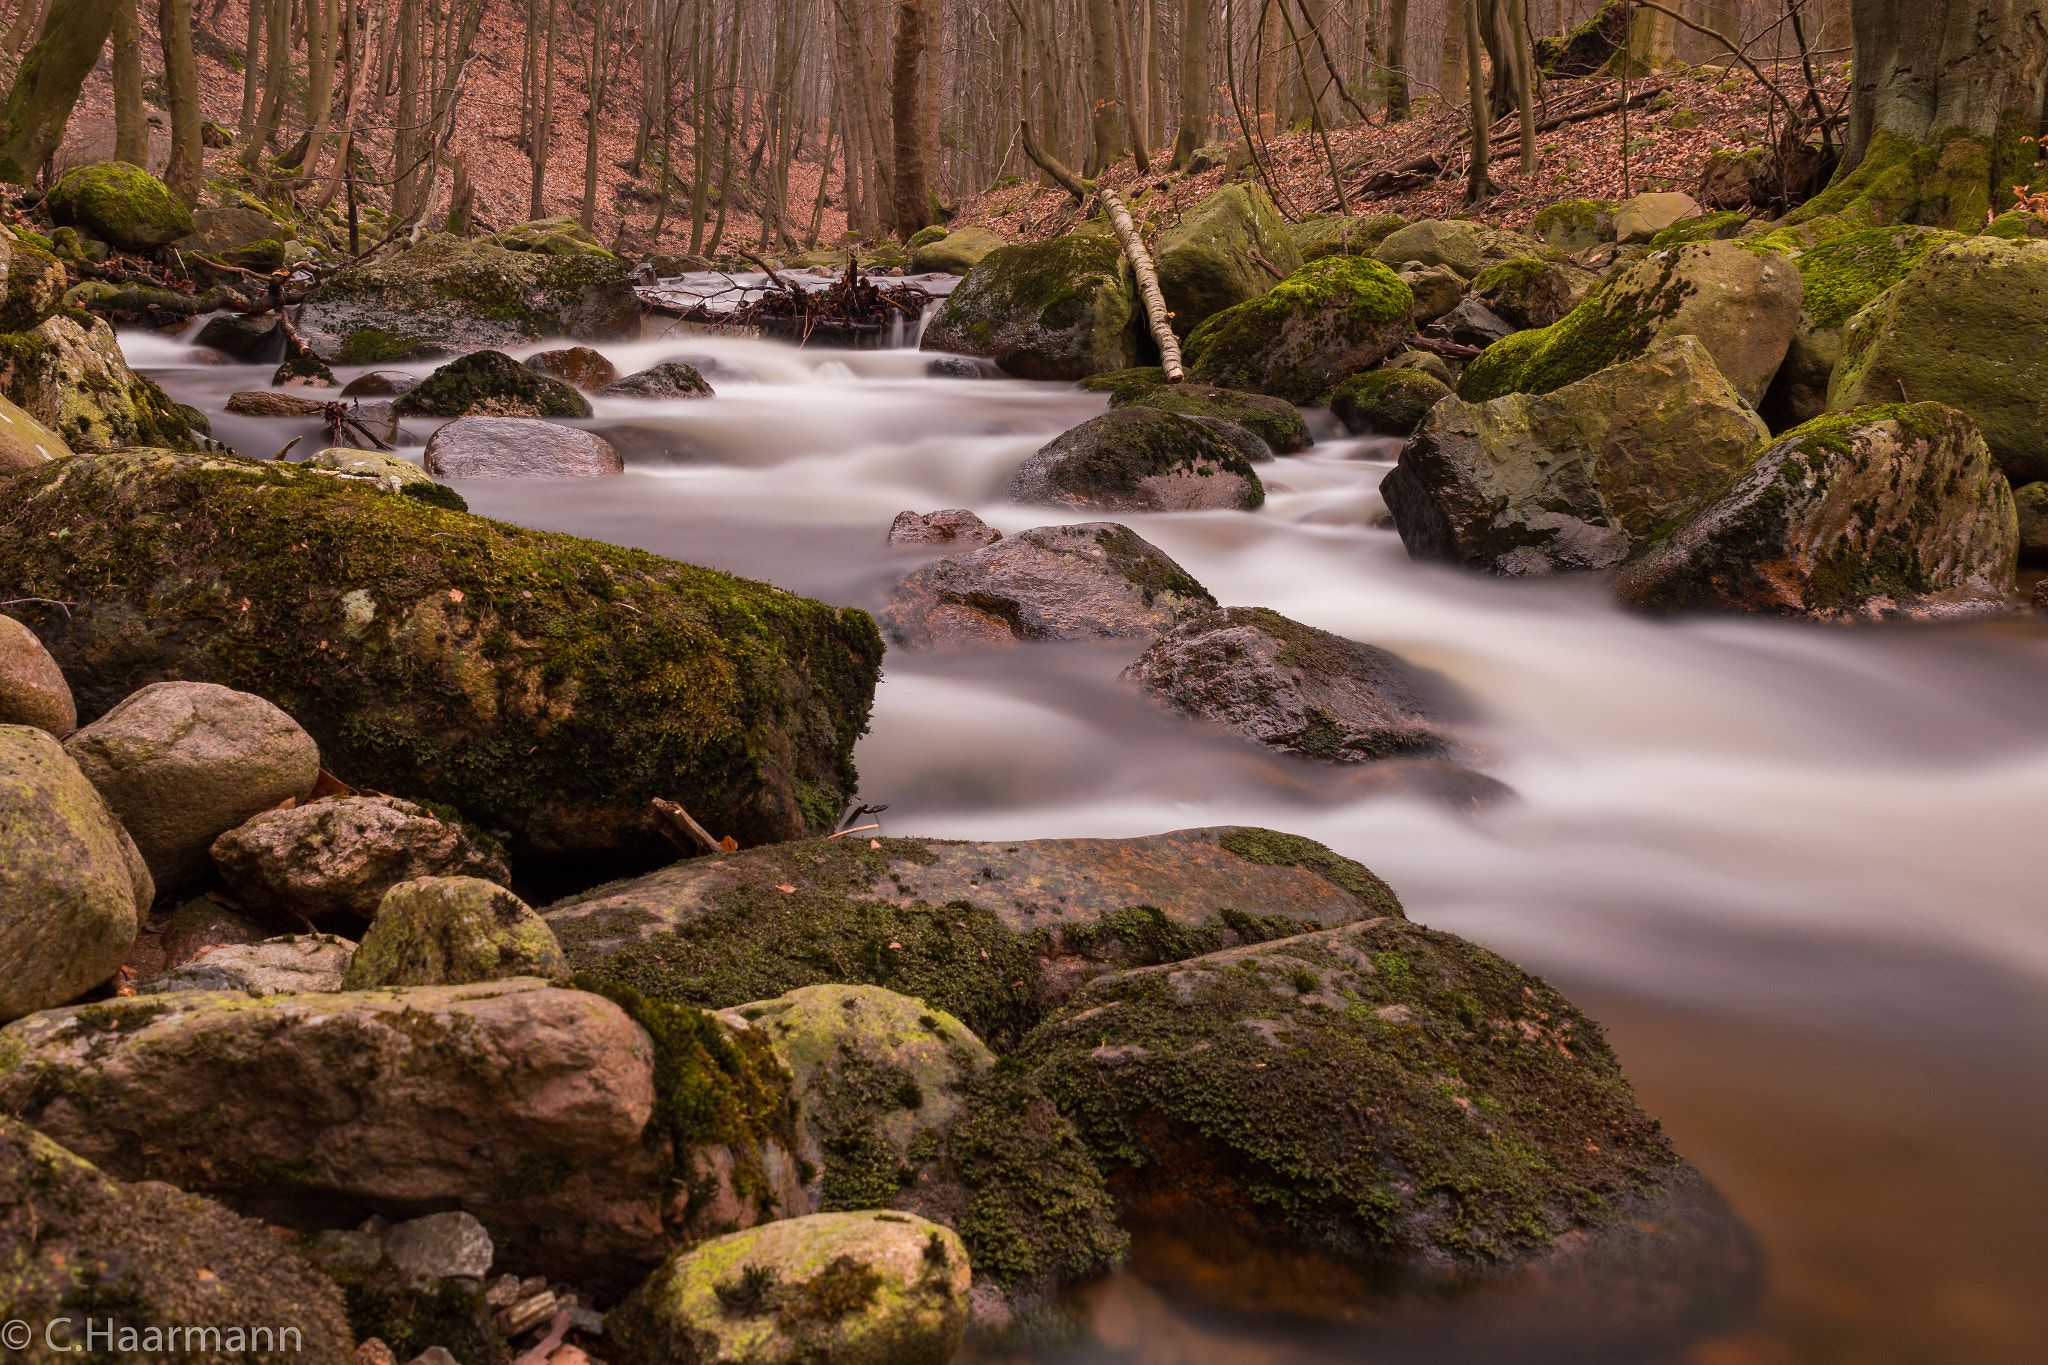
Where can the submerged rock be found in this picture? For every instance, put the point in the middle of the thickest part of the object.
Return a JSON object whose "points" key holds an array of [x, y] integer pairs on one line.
{"points": [[1386, 402], [445, 931], [576, 365], [830, 1289], [1091, 581], [989, 932], [1058, 309], [291, 965], [1139, 459], [32, 687], [1573, 480], [271, 403], [73, 889], [155, 1258], [386, 384], [341, 854], [1274, 421], [446, 656], [670, 379], [950, 526], [1883, 511], [519, 448], [493, 384], [1294, 688], [1331, 318], [184, 762], [1207, 258]]}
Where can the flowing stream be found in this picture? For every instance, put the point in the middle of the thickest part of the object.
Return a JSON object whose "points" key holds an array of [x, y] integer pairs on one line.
{"points": [[1799, 873]]}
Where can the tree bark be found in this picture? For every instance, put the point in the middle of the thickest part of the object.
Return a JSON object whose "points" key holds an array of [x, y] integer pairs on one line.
{"points": [[276, 56], [544, 117], [131, 127], [600, 44], [1397, 61], [1478, 185], [1106, 146], [1652, 43], [1127, 61], [1194, 80], [47, 84], [181, 93], [912, 209], [1525, 89]]}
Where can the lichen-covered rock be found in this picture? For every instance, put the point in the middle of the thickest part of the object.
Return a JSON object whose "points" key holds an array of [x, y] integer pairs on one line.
{"points": [[670, 379], [948, 526], [24, 442], [1702, 227], [444, 931], [1887, 511], [1207, 258], [579, 366], [446, 656], [452, 293], [479, 447], [1059, 309], [1274, 421], [1386, 402], [956, 253], [1437, 290], [73, 890], [494, 384], [2031, 502], [586, 1134], [1091, 581], [341, 854], [1330, 319], [215, 230], [1841, 275], [1336, 235], [74, 381], [1573, 480], [1576, 224], [183, 762], [391, 383], [1742, 305], [32, 687], [989, 932], [1643, 217], [1139, 459], [290, 965], [829, 1289], [32, 283], [1526, 291], [1967, 326], [1297, 689], [159, 1261], [391, 473], [124, 204], [1455, 243], [1372, 1106], [270, 403], [562, 235]]}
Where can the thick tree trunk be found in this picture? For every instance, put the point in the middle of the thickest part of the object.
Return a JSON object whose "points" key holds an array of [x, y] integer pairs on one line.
{"points": [[131, 128], [1525, 86], [1397, 61], [47, 83], [912, 208], [1652, 43], [1106, 118], [1194, 80], [1478, 185], [181, 93]]}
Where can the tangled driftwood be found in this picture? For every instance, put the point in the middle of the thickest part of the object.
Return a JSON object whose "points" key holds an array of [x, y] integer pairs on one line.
{"points": [[850, 311]]}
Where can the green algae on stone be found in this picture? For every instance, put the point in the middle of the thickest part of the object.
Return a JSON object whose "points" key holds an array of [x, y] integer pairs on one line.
{"points": [[546, 686], [445, 931], [1705, 227], [1059, 309], [1275, 421], [1206, 260], [490, 380], [1332, 318], [122, 203], [1389, 402], [1139, 458]]}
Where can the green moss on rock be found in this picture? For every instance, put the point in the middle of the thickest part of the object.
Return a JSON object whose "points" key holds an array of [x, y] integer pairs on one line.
{"points": [[1386, 402], [486, 377], [122, 203], [1331, 318], [1273, 420], [1059, 309]]}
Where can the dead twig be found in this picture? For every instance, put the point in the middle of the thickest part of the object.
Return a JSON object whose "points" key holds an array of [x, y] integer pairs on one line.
{"points": [[676, 821]]}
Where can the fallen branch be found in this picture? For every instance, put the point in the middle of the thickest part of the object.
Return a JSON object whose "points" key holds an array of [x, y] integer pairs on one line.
{"points": [[676, 821], [64, 607], [1449, 350], [545, 1347]]}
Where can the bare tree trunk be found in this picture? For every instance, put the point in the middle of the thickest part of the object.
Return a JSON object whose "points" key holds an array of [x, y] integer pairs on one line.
{"points": [[27, 20], [1525, 91], [931, 71], [1194, 80], [912, 209], [46, 85], [323, 40], [1266, 73], [1478, 185], [245, 127], [131, 128], [1397, 61], [1106, 120], [181, 94], [1134, 117], [276, 57], [544, 131], [408, 138], [600, 44]]}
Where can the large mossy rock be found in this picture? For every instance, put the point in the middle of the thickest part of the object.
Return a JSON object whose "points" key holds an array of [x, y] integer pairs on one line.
{"points": [[956, 253], [2031, 500], [76, 1243], [1465, 247], [74, 380], [35, 282], [1967, 326], [73, 889], [1386, 402], [1526, 291], [1273, 420], [1208, 260], [1304, 1124], [1060, 309], [1330, 319], [1576, 479], [557, 1116], [1886, 511], [492, 383], [124, 204], [1576, 224], [449, 657], [1139, 459], [1841, 274], [562, 235], [868, 1288], [1742, 305], [458, 294], [1333, 234], [989, 932]]}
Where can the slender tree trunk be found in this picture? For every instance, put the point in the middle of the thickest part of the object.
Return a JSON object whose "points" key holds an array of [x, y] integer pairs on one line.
{"points": [[1134, 118], [600, 43], [27, 21], [1397, 61], [1525, 91], [181, 94], [913, 211], [1106, 119], [47, 83], [931, 71], [544, 133], [1478, 185], [1194, 81], [276, 57], [131, 128], [408, 140], [1266, 73]]}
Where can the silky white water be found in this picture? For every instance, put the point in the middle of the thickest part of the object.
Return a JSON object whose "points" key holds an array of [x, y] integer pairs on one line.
{"points": [[1770, 856]]}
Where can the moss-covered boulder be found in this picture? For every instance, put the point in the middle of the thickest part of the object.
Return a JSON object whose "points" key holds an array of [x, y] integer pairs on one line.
{"points": [[125, 204], [1333, 234], [1526, 291], [569, 1123], [1572, 480], [1644, 216], [1701, 227], [870, 1288], [445, 931], [1305, 1124], [1586, 49], [446, 656], [76, 1243], [1841, 274], [2031, 502], [1208, 259], [1967, 326], [73, 889], [1386, 402], [562, 235], [35, 282], [1059, 309], [74, 380], [1139, 459], [1887, 511], [1330, 319], [1273, 420], [1456, 243], [1742, 305], [457, 294], [989, 932], [1576, 224], [494, 384], [954, 252]]}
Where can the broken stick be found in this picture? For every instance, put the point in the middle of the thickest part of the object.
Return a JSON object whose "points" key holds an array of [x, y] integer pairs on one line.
{"points": [[675, 820]]}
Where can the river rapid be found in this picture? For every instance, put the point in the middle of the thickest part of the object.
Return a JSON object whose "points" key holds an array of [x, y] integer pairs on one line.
{"points": [[1799, 873]]}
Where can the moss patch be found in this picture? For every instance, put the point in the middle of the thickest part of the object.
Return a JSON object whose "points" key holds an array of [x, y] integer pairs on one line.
{"points": [[1273, 420], [1333, 317], [481, 376]]}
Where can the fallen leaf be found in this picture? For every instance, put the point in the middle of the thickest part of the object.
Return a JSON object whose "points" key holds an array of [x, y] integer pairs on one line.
{"points": [[454, 594], [729, 844], [787, 890], [874, 843], [897, 946]]}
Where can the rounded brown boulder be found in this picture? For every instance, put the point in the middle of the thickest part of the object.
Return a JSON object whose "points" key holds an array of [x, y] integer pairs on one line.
{"points": [[519, 448], [32, 687], [341, 854]]}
